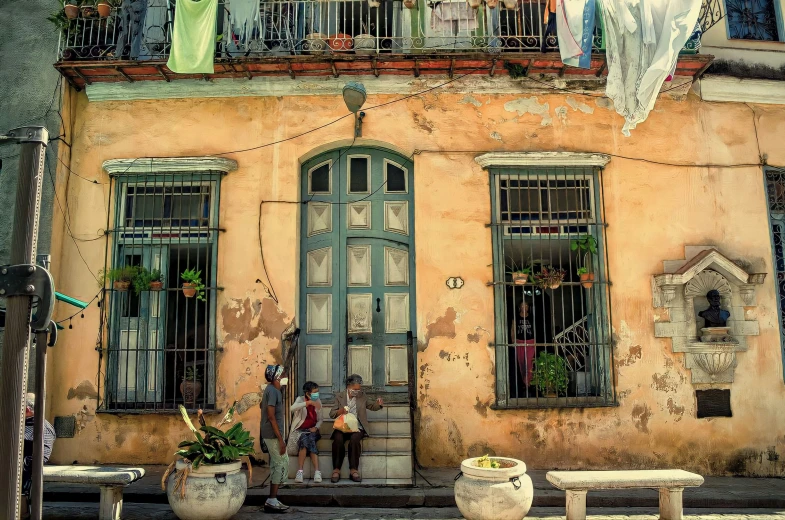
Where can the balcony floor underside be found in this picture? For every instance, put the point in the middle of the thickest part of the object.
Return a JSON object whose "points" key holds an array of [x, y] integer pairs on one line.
{"points": [[81, 73]]}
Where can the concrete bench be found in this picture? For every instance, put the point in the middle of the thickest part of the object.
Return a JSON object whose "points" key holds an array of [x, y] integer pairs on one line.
{"points": [[670, 482], [110, 480]]}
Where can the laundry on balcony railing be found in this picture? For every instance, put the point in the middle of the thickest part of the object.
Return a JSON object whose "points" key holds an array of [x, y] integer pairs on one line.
{"points": [[193, 41], [575, 21]]}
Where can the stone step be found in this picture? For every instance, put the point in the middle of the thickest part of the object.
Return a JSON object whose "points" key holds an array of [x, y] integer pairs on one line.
{"points": [[387, 444], [382, 428], [373, 465], [345, 483], [386, 413]]}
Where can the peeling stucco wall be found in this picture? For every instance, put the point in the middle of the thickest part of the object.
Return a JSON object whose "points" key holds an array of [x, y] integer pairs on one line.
{"points": [[652, 212]]}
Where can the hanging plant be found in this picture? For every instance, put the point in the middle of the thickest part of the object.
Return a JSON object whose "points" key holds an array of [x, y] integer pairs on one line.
{"points": [[587, 245], [192, 284], [549, 277]]}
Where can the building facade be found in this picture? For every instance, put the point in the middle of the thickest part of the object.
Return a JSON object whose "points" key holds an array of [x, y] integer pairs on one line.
{"points": [[397, 249]]}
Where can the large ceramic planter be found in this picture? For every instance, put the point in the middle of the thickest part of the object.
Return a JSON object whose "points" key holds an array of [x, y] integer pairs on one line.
{"points": [[494, 494], [190, 390], [212, 492]]}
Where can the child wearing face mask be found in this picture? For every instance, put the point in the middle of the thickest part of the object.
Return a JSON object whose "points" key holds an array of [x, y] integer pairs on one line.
{"points": [[306, 419]]}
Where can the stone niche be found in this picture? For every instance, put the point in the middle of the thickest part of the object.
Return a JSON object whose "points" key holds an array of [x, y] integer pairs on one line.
{"points": [[682, 290]]}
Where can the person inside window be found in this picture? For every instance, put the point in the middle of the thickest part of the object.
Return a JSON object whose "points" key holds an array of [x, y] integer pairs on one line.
{"points": [[355, 402], [307, 419], [522, 334]]}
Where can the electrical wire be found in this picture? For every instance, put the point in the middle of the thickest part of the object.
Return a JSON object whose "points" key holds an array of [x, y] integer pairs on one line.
{"points": [[80, 310]]}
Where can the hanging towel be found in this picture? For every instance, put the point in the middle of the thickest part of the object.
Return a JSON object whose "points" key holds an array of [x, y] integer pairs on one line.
{"points": [[575, 31], [242, 15], [193, 41], [643, 40]]}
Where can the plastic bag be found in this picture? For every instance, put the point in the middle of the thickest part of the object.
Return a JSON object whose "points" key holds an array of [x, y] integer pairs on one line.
{"points": [[347, 423]]}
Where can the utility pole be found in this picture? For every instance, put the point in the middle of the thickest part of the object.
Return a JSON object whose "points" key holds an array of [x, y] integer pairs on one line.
{"points": [[13, 365]]}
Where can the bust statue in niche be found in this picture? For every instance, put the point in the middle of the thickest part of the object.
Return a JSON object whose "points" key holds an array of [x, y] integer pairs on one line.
{"points": [[714, 316]]}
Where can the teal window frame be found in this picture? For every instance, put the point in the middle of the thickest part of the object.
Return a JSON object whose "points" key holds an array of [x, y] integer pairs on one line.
{"points": [[775, 209], [600, 323]]}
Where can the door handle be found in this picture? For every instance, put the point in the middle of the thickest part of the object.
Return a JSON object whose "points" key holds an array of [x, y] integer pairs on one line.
{"points": [[349, 340], [378, 308]]}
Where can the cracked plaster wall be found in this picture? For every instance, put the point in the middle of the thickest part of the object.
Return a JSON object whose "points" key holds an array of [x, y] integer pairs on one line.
{"points": [[654, 425]]}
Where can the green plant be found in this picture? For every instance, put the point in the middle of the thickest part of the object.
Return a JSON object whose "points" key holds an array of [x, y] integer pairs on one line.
{"points": [[582, 270], [141, 280], [123, 274], [550, 373], [586, 243], [212, 445], [194, 278], [516, 70], [58, 18], [192, 374], [549, 277], [156, 276]]}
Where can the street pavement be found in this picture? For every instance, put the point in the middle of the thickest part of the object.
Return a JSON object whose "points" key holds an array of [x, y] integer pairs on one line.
{"points": [[137, 511]]}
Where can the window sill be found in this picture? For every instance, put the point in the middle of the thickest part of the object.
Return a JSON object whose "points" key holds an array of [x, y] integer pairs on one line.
{"points": [[555, 402], [191, 411]]}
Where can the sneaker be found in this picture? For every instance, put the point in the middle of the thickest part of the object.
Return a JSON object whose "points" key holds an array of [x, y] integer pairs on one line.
{"points": [[299, 477], [274, 506], [317, 476]]}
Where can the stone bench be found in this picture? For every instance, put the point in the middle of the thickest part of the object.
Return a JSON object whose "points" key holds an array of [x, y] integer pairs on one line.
{"points": [[111, 481], [670, 482]]}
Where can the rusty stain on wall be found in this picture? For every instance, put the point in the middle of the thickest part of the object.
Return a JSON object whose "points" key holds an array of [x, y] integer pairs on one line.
{"points": [[633, 355], [675, 410], [443, 327], [666, 382], [640, 417], [244, 321], [85, 390]]}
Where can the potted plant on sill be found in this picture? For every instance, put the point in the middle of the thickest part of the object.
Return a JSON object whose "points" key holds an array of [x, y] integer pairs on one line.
{"points": [[549, 277], [341, 42], [121, 277], [550, 374], [192, 284], [105, 7], [520, 276], [209, 466], [71, 10], [191, 385], [587, 246]]}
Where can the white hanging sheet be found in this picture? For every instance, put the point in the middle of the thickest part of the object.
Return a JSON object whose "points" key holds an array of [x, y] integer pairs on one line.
{"points": [[643, 41]]}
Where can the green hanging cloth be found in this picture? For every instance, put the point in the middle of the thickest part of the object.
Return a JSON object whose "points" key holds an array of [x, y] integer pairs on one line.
{"points": [[193, 41]]}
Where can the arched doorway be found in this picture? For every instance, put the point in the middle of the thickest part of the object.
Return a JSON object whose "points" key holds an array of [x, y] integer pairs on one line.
{"points": [[357, 276]]}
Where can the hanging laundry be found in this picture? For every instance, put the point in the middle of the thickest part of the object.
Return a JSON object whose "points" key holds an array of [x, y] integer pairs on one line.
{"points": [[549, 20], [453, 18], [575, 31], [643, 41], [193, 41], [242, 16]]}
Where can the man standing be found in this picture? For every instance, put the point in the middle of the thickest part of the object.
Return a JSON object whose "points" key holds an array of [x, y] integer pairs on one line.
{"points": [[49, 440], [272, 425]]}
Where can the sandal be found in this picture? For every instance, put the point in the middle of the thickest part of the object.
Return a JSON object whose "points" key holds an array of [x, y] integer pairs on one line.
{"points": [[336, 476], [356, 477]]}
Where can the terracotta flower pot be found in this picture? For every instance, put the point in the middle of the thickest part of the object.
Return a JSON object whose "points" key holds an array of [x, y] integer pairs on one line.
{"points": [[156, 286], [121, 286], [410, 4], [190, 390], [587, 280], [341, 42], [71, 11], [104, 9], [188, 290], [520, 278], [555, 285]]}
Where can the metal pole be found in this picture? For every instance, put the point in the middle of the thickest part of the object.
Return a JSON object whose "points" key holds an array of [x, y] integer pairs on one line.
{"points": [[37, 493], [13, 365]]}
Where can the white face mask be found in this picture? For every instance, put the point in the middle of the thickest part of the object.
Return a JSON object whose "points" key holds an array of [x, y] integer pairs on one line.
{"points": [[284, 381]]}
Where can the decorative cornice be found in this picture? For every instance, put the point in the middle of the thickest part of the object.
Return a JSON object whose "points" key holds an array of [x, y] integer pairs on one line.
{"points": [[518, 159], [169, 165], [725, 88], [704, 260]]}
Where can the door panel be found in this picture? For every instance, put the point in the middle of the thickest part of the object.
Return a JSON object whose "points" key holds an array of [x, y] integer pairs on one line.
{"points": [[357, 270]]}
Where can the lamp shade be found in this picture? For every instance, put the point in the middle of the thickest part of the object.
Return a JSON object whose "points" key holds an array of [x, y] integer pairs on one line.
{"points": [[354, 96]]}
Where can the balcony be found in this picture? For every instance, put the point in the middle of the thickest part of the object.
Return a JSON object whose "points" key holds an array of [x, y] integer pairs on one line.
{"points": [[313, 38]]}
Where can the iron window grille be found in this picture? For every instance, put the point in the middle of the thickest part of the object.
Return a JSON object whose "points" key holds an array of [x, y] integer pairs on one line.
{"points": [[775, 188], [753, 20], [541, 218], [160, 345]]}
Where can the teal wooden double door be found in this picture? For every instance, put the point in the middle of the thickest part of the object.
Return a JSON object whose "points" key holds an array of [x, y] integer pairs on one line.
{"points": [[357, 287]]}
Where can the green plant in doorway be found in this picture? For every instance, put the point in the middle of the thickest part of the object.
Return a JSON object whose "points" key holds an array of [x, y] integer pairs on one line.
{"points": [[193, 285], [122, 277], [550, 374]]}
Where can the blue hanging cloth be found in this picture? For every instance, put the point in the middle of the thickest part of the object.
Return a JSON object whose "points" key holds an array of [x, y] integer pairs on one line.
{"points": [[575, 30]]}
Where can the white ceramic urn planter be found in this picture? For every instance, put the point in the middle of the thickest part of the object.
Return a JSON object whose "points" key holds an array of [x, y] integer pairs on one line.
{"points": [[505, 493], [212, 492]]}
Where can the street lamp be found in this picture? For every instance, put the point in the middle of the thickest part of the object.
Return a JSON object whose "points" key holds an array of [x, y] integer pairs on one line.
{"points": [[354, 96]]}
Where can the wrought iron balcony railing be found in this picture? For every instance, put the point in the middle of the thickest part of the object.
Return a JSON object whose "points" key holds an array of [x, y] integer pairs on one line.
{"points": [[143, 30]]}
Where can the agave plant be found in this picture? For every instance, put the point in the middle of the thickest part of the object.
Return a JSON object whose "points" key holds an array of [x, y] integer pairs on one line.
{"points": [[212, 445]]}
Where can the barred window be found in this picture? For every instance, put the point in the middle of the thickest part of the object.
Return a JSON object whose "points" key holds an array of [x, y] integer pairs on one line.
{"points": [[551, 288], [775, 187], [161, 335], [753, 20]]}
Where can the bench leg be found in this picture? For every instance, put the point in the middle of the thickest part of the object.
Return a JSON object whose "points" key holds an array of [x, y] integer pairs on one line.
{"points": [[111, 505], [576, 504], [670, 503]]}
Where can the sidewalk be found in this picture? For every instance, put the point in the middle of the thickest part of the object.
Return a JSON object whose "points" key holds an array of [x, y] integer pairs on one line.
{"points": [[716, 493]]}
